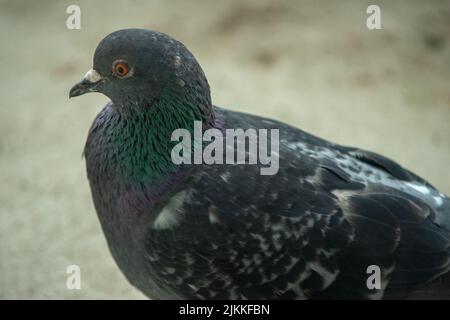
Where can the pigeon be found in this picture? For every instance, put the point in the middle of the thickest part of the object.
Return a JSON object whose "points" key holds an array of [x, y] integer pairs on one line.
{"points": [[333, 222]]}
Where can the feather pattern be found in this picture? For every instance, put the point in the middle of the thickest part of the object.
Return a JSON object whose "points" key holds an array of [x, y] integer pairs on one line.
{"points": [[310, 231], [227, 232]]}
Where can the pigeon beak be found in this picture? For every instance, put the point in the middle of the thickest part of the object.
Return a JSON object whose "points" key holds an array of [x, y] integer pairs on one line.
{"points": [[88, 84]]}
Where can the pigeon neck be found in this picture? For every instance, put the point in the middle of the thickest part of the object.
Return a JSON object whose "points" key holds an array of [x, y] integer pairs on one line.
{"points": [[147, 127]]}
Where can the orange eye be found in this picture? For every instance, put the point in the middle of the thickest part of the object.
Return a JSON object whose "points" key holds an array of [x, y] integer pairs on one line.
{"points": [[121, 69]]}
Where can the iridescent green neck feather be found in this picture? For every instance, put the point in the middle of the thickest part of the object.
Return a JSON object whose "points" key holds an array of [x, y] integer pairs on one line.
{"points": [[142, 137]]}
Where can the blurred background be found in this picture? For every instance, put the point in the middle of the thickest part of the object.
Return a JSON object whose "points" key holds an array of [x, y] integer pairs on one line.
{"points": [[313, 64]]}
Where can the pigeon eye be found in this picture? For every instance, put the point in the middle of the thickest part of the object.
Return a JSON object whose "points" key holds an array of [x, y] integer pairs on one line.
{"points": [[121, 69]]}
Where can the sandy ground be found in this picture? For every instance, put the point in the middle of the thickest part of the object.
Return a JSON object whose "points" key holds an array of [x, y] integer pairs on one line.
{"points": [[313, 64]]}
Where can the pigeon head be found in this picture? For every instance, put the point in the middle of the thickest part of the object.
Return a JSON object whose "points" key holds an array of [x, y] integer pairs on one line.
{"points": [[140, 68], [156, 86]]}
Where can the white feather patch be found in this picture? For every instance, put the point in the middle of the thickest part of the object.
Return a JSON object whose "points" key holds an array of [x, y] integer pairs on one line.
{"points": [[438, 201], [420, 188], [171, 213]]}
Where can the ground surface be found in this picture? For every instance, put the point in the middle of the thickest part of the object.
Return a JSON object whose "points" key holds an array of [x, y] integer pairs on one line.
{"points": [[313, 64]]}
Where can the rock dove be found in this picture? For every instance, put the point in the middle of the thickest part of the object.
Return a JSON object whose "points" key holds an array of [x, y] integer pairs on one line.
{"points": [[313, 230]]}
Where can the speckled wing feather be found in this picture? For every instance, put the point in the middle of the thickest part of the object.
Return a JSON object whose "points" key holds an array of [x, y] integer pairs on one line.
{"points": [[310, 231]]}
